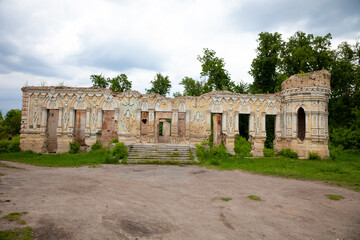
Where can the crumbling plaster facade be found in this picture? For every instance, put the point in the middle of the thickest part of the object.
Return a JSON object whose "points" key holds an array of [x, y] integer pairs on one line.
{"points": [[52, 117]]}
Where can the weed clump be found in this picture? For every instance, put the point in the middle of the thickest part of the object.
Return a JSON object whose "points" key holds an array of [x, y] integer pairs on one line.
{"points": [[268, 152], [96, 146], [287, 152], [213, 156], [314, 156], [114, 140], [334, 197], [25, 233], [118, 152], [12, 145], [74, 147], [15, 216], [242, 146], [226, 199], [254, 197]]}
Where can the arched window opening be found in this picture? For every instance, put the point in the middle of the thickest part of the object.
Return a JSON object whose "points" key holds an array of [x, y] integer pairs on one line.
{"points": [[301, 124]]}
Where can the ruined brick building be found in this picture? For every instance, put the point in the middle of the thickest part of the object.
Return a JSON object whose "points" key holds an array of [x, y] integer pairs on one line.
{"points": [[52, 117]]}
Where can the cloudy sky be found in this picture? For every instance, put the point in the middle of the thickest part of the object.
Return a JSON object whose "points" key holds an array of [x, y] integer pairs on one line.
{"points": [[65, 41]]}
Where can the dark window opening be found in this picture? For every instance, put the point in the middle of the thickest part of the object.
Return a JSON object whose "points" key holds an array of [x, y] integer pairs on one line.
{"points": [[301, 124]]}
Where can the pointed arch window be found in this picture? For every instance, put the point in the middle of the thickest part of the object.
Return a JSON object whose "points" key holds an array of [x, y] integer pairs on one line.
{"points": [[301, 124]]}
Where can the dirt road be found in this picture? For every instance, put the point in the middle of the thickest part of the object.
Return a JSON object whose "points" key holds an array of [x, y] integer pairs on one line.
{"points": [[173, 202]]}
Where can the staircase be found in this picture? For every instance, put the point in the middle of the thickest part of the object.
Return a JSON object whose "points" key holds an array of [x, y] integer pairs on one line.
{"points": [[161, 152]]}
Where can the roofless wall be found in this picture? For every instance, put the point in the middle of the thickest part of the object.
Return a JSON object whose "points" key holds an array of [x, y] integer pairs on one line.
{"points": [[52, 117]]}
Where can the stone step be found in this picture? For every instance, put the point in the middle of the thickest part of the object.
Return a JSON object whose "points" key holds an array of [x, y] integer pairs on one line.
{"points": [[155, 148], [151, 160], [162, 158], [159, 152]]}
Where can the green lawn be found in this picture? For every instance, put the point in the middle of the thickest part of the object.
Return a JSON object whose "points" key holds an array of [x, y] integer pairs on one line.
{"points": [[56, 160], [344, 171]]}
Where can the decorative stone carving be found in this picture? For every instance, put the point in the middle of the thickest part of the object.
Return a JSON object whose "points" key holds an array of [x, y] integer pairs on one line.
{"points": [[310, 91]]}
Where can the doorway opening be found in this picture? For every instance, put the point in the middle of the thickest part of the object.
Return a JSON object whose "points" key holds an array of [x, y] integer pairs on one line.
{"points": [[270, 131], [244, 125], [164, 130], [51, 127], [216, 129]]}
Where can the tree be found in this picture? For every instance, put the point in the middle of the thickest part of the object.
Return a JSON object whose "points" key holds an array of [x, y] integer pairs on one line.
{"points": [[120, 83], [305, 53], [99, 81], [323, 54], [213, 68], [192, 87], [265, 66], [241, 87], [345, 83], [160, 85], [298, 54], [177, 94], [11, 124]]}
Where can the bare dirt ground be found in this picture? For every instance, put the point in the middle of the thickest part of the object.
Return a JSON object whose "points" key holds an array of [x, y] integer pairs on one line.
{"points": [[173, 202]]}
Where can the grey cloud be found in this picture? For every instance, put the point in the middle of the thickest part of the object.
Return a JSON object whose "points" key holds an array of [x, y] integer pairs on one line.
{"points": [[118, 56], [340, 18], [10, 99]]}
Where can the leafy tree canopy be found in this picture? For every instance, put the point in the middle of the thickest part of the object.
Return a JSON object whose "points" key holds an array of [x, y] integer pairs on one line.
{"points": [[120, 83], [265, 66], [213, 69], [191, 87], [99, 81], [160, 85], [10, 126]]}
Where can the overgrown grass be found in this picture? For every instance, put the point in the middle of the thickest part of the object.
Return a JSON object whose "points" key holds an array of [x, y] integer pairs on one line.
{"points": [[15, 216], [25, 233], [254, 197], [226, 199], [57, 160], [343, 171], [334, 197]]}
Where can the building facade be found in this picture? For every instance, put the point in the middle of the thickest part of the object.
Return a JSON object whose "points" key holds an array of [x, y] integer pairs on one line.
{"points": [[52, 117]]}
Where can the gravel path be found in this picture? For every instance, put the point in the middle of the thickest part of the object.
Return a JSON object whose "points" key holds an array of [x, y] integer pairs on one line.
{"points": [[173, 202]]}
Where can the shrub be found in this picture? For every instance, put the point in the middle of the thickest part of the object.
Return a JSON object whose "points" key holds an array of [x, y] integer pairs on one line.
{"points": [[335, 151], [74, 147], [219, 152], [268, 152], [12, 145], [119, 151], [201, 152], [109, 159], [4, 150], [242, 146], [114, 140], [287, 152], [96, 146], [348, 138], [314, 156]]}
